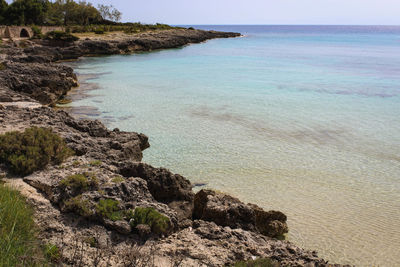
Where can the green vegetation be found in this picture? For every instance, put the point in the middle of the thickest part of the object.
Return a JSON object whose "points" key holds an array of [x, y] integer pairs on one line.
{"points": [[108, 208], [52, 253], [76, 16], [117, 179], [158, 222], [99, 31], [2, 66], [59, 12], [95, 163], [18, 243], [60, 36], [78, 205], [81, 181], [92, 241], [37, 32], [261, 262], [32, 150]]}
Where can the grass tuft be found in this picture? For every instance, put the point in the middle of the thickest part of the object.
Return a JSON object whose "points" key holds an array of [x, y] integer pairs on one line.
{"points": [[78, 205], [108, 208], [81, 181], [52, 253], [18, 243], [117, 179], [158, 222]]}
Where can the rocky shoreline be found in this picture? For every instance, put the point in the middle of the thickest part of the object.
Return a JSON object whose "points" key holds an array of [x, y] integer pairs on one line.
{"points": [[204, 229]]}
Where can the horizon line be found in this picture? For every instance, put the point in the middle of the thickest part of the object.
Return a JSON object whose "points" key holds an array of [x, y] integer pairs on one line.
{"points": [[392, 25]]}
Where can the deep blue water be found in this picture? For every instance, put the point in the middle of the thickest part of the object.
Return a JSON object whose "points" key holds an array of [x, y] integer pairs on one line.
{"points": [[302, 119]]}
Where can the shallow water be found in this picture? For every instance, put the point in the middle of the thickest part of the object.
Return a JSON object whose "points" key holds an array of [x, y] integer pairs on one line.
{"points": [[302, 119]]}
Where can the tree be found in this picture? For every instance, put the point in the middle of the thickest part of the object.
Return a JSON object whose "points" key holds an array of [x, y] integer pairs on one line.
{"points": [[3, 10], [109, 12], [25, 12], [69, 12]]}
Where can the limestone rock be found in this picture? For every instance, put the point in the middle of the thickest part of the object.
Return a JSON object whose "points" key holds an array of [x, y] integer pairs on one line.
{"points": [[225, 210]]}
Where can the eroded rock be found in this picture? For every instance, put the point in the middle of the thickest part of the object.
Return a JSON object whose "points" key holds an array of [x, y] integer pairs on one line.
{"points": [[225, 210]]}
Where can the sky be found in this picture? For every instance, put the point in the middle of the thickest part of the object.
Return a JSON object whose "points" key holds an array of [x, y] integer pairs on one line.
{"points": [[186, 12]]}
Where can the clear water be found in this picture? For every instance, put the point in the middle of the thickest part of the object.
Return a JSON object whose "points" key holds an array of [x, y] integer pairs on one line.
{"points": [[302, 119]]}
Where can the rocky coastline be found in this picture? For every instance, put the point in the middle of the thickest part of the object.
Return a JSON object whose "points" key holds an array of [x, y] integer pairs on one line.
{"points": [[204, 229]]}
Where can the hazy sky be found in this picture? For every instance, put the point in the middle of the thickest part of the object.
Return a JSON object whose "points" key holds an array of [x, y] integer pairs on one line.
{"points": [[259, 11]]}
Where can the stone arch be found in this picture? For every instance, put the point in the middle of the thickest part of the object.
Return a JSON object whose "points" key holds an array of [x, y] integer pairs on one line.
{"points": [[24, 33]]}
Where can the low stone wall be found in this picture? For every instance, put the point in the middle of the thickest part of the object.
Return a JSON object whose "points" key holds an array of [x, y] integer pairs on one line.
{"points": [[46, 29], [24, 31]]}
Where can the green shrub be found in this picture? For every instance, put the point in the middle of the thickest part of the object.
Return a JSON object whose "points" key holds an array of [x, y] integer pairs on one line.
{"points": [[32, 150], [81, 181], [78, 205], [18, 243], [108, 208], [61, 36], [52, 253], [117, 179], [37, 32], [2, 66], [158, 222], [99, 31], [261, 262], [95, 163]]}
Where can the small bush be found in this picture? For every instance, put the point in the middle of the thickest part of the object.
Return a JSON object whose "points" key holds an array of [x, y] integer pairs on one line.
{"points": [[52, 253], [92, 241], [32, 150], [18, 243], [2, 66], [61, 36], [108, 208], [78, 205], [81, 181], [37, 32], [190, 28], [117, 179], [95, 163], [99, 31], [158, 222], [261, 262]]}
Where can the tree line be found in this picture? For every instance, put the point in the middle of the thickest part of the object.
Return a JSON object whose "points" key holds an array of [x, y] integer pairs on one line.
{"points": [[56, 13]]}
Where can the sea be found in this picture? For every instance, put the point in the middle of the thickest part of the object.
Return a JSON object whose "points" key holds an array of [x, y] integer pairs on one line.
{"points": [[301, 119]]}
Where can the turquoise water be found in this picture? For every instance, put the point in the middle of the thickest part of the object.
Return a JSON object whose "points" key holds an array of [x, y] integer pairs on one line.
{"points": [[302, 119]]}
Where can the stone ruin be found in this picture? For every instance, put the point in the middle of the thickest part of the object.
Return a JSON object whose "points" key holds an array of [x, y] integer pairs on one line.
{"points": [[16, 32]]}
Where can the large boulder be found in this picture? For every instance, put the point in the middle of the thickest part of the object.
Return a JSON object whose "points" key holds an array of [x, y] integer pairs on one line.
{"points": [[225, 210]]}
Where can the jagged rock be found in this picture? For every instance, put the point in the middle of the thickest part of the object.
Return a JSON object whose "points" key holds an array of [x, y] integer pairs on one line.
{"points": [[225, 210], [121, 227], [43, 82], [165, 186], [91, 139]]}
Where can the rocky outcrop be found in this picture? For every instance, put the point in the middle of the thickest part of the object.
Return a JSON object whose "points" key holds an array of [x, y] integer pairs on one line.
{"points": [[225, 210], [34, 74], [43, 82], [89, 138], [165, 186]]}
